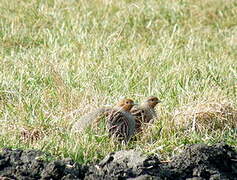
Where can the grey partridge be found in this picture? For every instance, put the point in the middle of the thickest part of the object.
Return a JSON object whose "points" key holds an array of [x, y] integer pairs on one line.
{"points": [[119, 121], [145, 113]]}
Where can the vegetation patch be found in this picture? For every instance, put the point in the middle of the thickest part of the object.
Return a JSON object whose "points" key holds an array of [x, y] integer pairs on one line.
{"points": [[207, 115]]}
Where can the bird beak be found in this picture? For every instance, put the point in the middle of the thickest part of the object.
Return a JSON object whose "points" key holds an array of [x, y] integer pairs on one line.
{"points": [[159, 101]]}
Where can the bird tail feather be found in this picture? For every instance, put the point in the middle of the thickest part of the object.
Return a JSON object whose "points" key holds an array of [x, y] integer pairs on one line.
{"points": [[88, 119]]}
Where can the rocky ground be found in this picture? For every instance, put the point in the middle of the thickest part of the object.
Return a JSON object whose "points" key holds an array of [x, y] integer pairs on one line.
{"points": [[196, 162]]}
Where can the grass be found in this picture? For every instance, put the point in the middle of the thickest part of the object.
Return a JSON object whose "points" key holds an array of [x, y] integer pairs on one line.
{"points": [[61, 59]]}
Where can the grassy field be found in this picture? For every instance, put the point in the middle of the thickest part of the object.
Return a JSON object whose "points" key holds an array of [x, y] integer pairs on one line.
{"points": [[60, 59]]}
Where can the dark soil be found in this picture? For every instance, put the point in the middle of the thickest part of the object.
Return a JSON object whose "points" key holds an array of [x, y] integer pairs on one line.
{"points": [[206, 162], [33, 164], [196, 162]]}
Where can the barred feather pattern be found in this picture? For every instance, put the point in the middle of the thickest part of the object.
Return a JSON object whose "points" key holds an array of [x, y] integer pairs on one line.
{"points": [[139, 116], [118, 125], [142, 115]]}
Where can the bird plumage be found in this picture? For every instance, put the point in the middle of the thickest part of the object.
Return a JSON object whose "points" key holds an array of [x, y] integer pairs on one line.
{"points": [[119, 121], [145, 113]]}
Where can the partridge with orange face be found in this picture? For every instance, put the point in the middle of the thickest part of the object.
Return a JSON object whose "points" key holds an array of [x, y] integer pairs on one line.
{"points": [[119, 121], [145, 113]]}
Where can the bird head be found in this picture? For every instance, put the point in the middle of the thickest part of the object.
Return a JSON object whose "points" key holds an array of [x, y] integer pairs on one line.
{"points": [[126, 104], [152, 101]]}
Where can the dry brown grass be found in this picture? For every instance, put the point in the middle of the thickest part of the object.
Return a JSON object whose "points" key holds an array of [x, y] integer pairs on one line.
{"points": [[207, 115], [32, 134]]}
